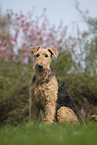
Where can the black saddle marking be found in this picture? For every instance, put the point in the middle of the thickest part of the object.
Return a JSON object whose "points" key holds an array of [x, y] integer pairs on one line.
{"points": [[64, 99]]}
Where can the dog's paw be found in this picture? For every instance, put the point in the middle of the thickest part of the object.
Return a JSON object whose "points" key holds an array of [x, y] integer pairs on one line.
{"points": [[94, 117], [46, 121]]}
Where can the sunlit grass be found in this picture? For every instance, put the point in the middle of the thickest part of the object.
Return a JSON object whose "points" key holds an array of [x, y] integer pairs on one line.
{"points": [[41, 134]]}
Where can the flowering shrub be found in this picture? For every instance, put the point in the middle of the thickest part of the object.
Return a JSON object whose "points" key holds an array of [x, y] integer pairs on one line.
{"points": [[27, 31]]}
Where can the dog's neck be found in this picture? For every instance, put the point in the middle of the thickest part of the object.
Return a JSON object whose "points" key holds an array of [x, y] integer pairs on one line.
{"points": [[44, 79]]}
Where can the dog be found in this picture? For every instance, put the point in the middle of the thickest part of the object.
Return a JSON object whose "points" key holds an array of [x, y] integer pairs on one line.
{"points": [[47, 93]]}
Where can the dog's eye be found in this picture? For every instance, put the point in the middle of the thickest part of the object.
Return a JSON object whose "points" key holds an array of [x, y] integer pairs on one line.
{"points": [[46, 55], [37, 55]]}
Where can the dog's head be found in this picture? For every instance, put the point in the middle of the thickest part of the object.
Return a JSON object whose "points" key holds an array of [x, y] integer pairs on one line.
{"points": [[42, 60]]}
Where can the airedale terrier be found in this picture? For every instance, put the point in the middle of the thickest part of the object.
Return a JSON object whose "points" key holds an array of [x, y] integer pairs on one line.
{"points": [[47, 93]]}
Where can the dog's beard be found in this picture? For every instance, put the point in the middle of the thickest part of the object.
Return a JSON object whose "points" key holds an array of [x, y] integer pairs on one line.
{"points": [[41, 72]]}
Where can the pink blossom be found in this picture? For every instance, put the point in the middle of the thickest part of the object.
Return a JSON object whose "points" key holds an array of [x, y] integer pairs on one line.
{"points": [[2, 48], [13, 42], [32, 32]]}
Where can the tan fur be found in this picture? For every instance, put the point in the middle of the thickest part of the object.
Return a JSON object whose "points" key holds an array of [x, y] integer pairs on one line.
{"points": [[43, 95], [65, 114], [34, 49], [94, 117], [53, 51], [42, 60]]}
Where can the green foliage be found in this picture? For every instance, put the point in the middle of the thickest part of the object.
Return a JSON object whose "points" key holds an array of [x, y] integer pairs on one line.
{"points": [[64, 63], [77, 70], [4, 23], [14, 90], [91, 57], [12, 77], [81, 85], [41, 134], [88, 43]]}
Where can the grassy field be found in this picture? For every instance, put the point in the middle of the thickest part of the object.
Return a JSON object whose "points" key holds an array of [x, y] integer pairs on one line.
{"points": [[55, 134]]}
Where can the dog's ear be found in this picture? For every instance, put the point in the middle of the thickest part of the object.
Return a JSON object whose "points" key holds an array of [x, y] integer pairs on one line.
{"points": [[34, 49], [53, 51]]}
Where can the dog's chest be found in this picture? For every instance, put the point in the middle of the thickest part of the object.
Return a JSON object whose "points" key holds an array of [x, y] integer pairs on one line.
{"points": [[46, 91], [40, 91]]}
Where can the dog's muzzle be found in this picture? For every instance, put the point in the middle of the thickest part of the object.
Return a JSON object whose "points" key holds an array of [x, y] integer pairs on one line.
{"points": [[40, 70]]}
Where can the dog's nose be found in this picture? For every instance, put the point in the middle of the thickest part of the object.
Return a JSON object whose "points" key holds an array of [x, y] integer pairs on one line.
{"points": [[40, 66]]}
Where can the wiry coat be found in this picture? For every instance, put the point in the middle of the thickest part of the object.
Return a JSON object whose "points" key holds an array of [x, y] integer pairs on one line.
{"points": [[47, 93]]}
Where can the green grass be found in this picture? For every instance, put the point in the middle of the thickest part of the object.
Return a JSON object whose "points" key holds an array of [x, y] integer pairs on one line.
{"points": [[55, 134]]}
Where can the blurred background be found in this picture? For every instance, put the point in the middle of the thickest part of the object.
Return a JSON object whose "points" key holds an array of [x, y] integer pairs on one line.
{"points": [[71, 28]]}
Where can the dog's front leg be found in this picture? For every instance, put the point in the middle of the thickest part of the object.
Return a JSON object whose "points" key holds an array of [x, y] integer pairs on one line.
{"points": [[33, 112], [50, 112]]}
